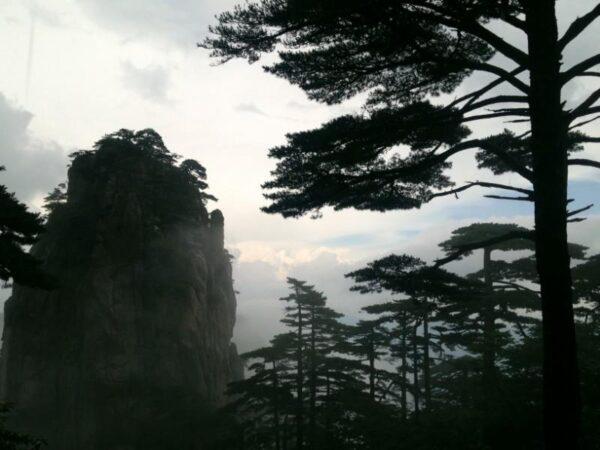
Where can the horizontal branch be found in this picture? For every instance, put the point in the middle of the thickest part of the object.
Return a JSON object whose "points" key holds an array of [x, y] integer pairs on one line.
{"points": [[425, 163], [503, 197], [498, 99], [590, 74], [495, 115], [484, 184], [468, 248], [589, 140], [517, 286], [584, 162]]}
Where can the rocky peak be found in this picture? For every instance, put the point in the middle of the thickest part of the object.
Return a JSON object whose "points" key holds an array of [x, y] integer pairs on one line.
{"points": [[133, 350]]}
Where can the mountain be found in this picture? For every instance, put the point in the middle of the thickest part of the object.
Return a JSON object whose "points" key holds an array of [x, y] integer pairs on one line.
{"points": [[133, 349]]}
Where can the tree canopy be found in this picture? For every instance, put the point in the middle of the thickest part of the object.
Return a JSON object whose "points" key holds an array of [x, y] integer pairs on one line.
{"points": [[395, 154], [19, 229]]}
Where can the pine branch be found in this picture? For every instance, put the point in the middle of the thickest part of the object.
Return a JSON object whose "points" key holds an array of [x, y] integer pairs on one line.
{"points": [[579, 69], [583, 123], [527, 192], [473, 96], [462, 22], [505, 75], [467, 248], [580, 210], [584, 162], [578, 26], [498, 99], [584, 106], [502, 197]]}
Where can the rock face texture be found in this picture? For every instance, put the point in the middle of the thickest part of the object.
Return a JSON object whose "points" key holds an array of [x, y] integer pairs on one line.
{"points": [[133, 350]]}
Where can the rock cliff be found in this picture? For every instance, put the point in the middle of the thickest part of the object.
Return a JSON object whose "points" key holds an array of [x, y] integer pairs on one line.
{"points": [[133, 350]]}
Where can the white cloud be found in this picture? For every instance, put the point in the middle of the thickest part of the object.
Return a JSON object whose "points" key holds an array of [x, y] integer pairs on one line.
{"points": [[33, 167], [150, 82], [249, 108], [173, 22]]}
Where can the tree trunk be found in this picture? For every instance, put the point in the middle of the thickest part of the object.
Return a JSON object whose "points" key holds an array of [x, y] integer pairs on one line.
{"points": [[371, 356], [313, 381], [299, 385], [416, 388], [285, 432], [426, 359], [327, 410], [276, 408], [403, 371], [488, 378], [562, 404]]}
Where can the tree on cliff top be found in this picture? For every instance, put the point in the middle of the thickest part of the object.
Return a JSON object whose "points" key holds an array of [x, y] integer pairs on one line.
{"points": [[177, 189], [19, 228], [400, 53]]}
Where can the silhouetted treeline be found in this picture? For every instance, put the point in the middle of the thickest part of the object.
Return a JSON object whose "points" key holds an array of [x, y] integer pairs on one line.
{"points": [[447, 362], [398, 58]]}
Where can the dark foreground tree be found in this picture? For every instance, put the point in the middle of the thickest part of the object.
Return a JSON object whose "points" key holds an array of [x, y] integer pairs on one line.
{"points": [[10, 440], [19, 228], [401, 53]]}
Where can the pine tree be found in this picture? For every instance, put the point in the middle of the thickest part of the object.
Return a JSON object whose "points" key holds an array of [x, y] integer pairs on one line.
{"points": [[424, 287], [19, 228], [401, 54], [264, 399]]}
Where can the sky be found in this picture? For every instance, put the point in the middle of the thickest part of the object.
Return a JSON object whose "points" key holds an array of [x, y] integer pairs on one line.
{"points": [[75, 70]]}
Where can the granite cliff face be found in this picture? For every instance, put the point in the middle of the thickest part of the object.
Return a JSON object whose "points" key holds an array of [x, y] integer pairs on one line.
{"points": [[133, 350]]}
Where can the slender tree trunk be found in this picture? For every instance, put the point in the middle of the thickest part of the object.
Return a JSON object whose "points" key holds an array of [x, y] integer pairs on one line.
{"points": [[313, 381], [489, 323], [489, 352], [299, 384], [276, 408], [371, 356], [416, 388], [562, 403], [426, 359], [328, 410], [403, 371], [285, 432]]}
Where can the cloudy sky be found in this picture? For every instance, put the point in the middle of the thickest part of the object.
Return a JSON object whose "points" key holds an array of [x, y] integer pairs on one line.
{"points": [[74, 70]]}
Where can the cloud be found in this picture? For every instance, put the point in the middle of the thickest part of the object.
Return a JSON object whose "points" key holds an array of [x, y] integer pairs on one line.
{"points": [[175, 22], [260, 271], [150, 82], [261, 268], [250, 108], [48, 16], [33, 167]]}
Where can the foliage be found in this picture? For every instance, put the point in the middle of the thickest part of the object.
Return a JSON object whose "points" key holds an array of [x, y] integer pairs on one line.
{"points": [[19, 229], [448, 362], [10, 440], [395, 154]]}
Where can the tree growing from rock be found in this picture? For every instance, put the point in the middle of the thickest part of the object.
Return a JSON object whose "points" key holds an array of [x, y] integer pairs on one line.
{"points": [[19, 228]]}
